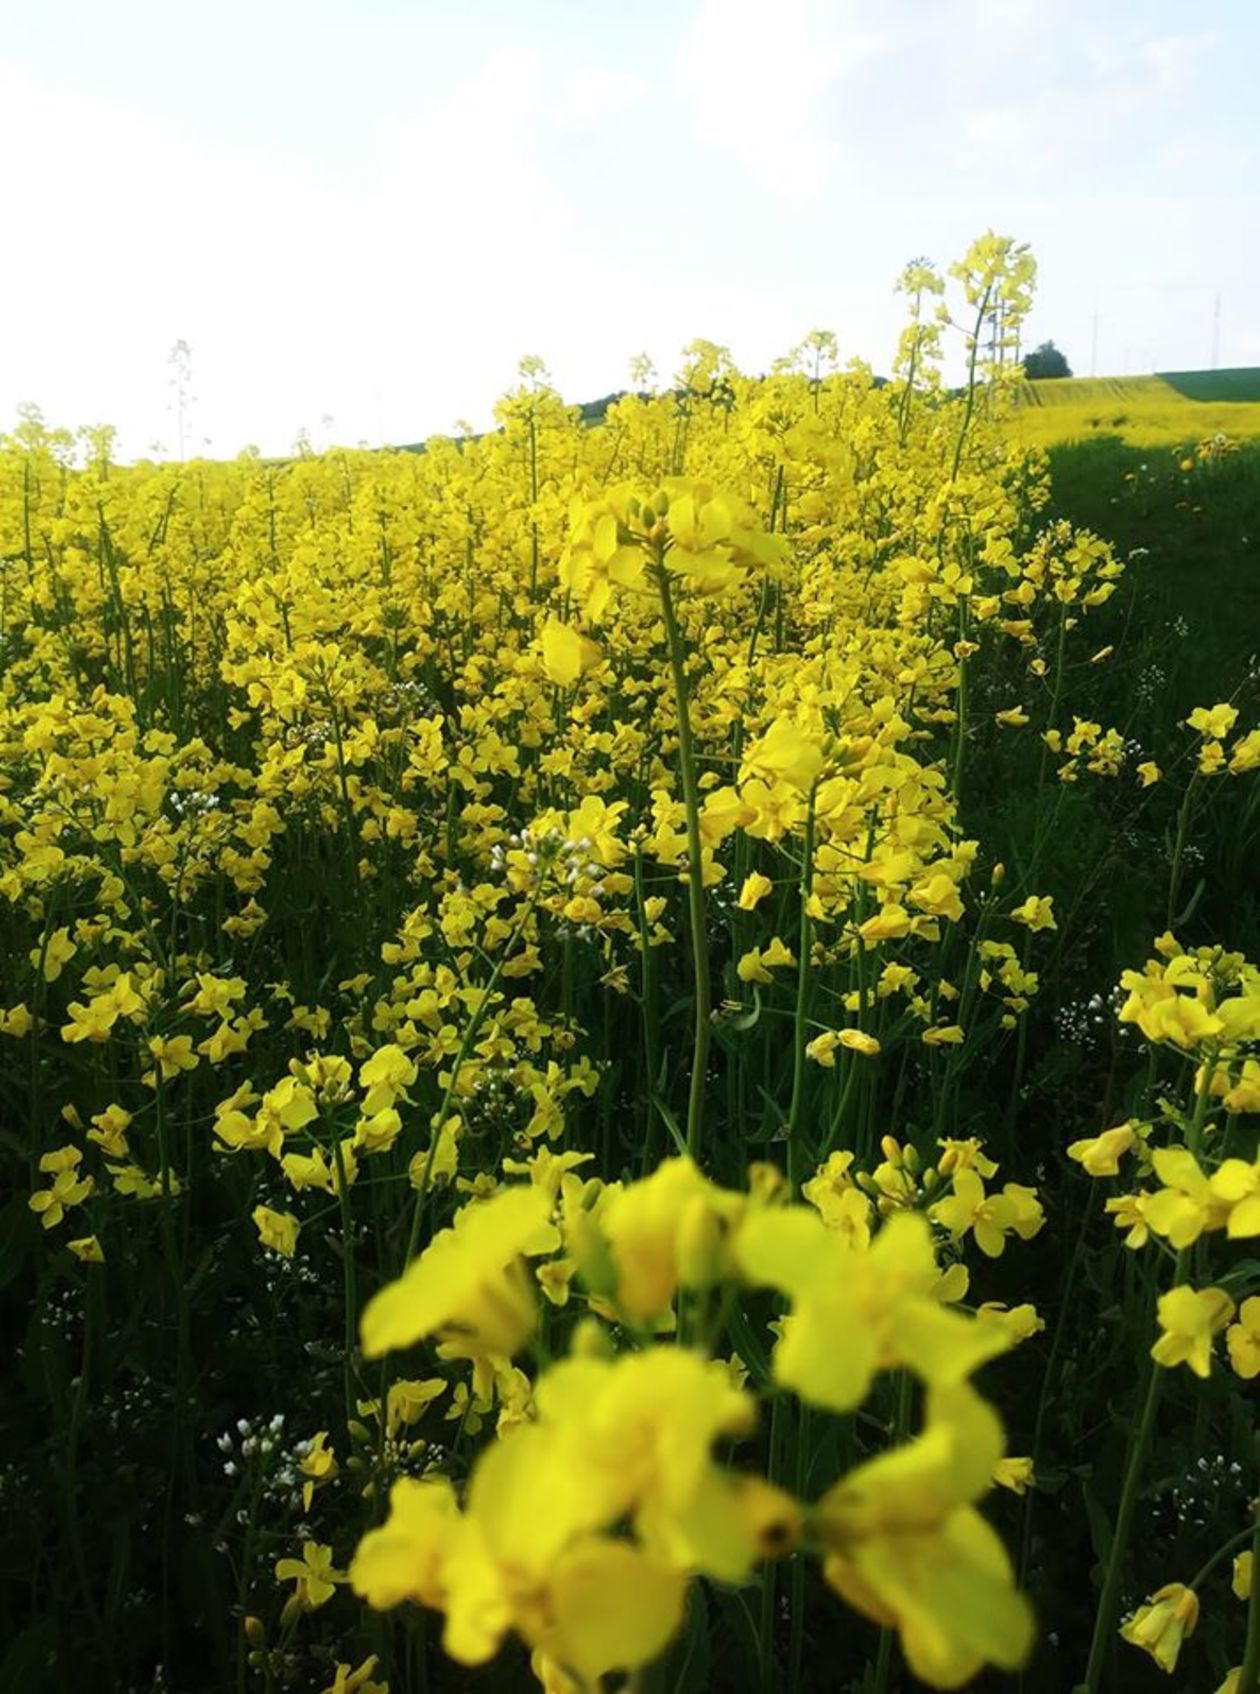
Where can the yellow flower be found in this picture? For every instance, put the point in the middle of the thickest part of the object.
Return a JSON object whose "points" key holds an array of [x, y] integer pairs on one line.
{"points": [[619, 1440], [906, 1546], [1243, 1340], [890, 923], [1213, 721], [67, 1188], [959, 1155], [173, 1055], [58, 952], [783, 754], [17, 1021], [468, 1286], [723, 812], [88, 1250], [1244, 1094], [943, 1035], [842, 1207], [755, 888], [1243, 1574], [1235, 1185], [95, 1021], [109, 1131], [566, 653], [318, 1465], [1163, 1623], [1189, 1319], [990, 1218], [1015, 1474], [1148, 772], [822, 1049], [756, 964], [883, 1300], [384, 1077], [1014, 717], [377, 1132], [1186, 1205], [1036, 912], [276, 1230], [1245, 753], [662, 1232], [314, 1576], [358, 1681], [1101, 1154], [590, 1635], [1020, 1322]]}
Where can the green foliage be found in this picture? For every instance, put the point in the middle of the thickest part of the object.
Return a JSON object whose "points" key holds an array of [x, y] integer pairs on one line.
{"points": [[1045, 361]]}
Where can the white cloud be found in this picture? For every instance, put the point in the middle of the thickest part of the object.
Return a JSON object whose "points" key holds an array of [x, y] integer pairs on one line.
{"points": [[593, 92], [400, 299], [133, 235], [1170, 58], [755, 80]]}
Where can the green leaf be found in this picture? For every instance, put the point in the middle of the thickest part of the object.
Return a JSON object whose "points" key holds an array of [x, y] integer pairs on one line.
{"points": [[671, 1124], [19, 1233], [1101, 1532]]}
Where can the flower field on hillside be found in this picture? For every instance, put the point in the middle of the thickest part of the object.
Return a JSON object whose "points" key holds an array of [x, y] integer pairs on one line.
{"points": [[628, 1058]]}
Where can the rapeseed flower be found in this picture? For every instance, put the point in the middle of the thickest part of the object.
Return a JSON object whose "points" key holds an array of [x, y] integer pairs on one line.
{"points": [[1189, 1319], [905, 1545], [1161, 1625]]}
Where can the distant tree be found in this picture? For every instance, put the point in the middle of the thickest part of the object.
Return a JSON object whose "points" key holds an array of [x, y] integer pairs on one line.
{"points": [[1044, 361]]}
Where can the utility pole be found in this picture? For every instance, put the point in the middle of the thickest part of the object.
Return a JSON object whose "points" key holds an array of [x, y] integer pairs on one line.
{"points": [[1093, 348], [1216, 331], [180, 382]]}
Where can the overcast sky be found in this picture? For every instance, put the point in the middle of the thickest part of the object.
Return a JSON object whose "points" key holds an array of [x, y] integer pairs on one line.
{"points": [[366, 211]]}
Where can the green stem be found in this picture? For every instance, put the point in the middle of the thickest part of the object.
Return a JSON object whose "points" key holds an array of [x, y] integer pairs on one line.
{"points": [[71, 1478], [900, 1429], [1205, 1570], [695, 865], [961, 724], [1249, 1675], [801, 1020], [349, 1293], [796, 1644], [1179, 847], [648, 1005], [971, 386], [465, 1047], [1056, 694], [1105, 1618], [769, 1571]]}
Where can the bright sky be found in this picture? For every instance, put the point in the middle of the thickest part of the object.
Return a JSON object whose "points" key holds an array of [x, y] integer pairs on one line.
{"points": [[361, 213]]}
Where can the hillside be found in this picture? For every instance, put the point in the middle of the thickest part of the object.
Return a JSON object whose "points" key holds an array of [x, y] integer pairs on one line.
{"points": [[1163, 410]]}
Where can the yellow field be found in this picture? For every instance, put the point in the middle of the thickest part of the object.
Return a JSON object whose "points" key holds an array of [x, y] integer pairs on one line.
{"points": [[1146, 411]]}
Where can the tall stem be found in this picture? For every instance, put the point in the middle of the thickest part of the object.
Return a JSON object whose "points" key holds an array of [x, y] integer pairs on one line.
{"points": [[1105, 1618], [475, 1020], [800, 1027], [971, 386], [1179, 847], [350, 1303], [695, 864], [648, 1008], [1249, 1675], [961, 725]]}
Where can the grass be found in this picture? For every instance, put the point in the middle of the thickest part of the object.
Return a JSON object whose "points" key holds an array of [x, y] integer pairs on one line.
{"points": [[1173, 409]]}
